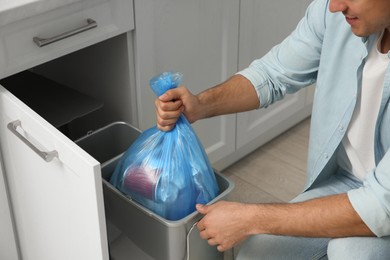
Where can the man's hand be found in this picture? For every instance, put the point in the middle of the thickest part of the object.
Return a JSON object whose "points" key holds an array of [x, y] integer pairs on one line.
{"points": [[236, 94], [171, 104], [223, 224]]}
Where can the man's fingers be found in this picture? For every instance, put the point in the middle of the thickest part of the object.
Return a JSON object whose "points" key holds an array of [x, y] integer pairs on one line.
{"points": [[173, 94], [202, 209]]}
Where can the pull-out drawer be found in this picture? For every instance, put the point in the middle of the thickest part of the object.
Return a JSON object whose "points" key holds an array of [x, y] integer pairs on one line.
{"points": [[54, 188], [155, 236], [35, 40]]}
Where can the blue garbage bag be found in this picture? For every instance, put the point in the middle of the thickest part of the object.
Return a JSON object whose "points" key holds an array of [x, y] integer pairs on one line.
{"points": [[167, 172]]}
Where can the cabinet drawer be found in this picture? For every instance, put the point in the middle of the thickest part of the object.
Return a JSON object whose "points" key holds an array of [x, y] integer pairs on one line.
{"points": [[54, 188], [69, 25]]}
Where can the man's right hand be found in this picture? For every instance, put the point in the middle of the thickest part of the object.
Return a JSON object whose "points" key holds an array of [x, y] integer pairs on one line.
{"points": [[171, 104], [237, 94]]}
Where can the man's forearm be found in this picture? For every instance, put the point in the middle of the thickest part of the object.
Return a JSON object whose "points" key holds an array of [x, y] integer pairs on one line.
{"points": [[331, 216], [237, 94]]}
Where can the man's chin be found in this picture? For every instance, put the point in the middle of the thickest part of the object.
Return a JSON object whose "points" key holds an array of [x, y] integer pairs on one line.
{"points": [[359, 33]]}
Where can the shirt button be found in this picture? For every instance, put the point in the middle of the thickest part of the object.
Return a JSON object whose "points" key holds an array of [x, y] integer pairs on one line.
{"points": [[326, 156]]}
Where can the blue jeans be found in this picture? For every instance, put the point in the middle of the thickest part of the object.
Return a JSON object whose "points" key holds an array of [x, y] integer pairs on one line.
{"points": [[295, 248]]}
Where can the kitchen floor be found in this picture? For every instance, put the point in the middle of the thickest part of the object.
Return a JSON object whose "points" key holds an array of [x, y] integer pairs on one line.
{"points": [[273, 173]]}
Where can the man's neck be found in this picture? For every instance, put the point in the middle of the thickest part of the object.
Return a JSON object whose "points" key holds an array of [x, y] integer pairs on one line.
{"points": [[385, 44]]}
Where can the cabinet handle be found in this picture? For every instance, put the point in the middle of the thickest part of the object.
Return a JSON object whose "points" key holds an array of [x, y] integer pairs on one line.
{"points": [[46, 41], [47, 156]]}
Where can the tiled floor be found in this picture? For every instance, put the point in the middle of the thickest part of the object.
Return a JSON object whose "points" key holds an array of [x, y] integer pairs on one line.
{"points": [[273, 173]]}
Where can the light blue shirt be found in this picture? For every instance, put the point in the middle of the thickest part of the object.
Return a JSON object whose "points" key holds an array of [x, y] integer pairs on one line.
{"points": [[323, 50]]}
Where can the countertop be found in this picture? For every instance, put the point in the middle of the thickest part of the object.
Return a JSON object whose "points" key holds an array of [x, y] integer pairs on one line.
{"points": [[15, 10]]}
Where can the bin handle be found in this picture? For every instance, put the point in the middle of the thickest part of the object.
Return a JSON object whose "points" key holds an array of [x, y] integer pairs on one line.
{"points": [[47, 156], [188, 241]]}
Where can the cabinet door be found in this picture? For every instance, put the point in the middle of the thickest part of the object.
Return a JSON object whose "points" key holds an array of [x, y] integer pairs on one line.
{"points": [[8, 244], [58, 202], [197, 38], [262, 25]]}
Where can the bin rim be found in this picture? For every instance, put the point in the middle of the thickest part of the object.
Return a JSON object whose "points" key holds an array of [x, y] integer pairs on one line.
{"points": [[174, 223], [95, 131]]}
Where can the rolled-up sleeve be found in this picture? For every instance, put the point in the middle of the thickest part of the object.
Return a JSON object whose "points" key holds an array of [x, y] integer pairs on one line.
{"points": [[293, 64], [372, 201], [259, 81]]}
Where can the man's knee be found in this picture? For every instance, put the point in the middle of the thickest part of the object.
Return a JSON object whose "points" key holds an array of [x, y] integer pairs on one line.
{"points": [[362, 248]]}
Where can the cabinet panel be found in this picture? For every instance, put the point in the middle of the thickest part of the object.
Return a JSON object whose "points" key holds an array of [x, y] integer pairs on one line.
{"points": [[8, 243], [198, 39], [262, 25], [57, 205], [254, 124]]}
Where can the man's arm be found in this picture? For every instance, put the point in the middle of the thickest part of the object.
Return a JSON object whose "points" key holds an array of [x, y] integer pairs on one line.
{"points": [[227, 223], [236, 94]]}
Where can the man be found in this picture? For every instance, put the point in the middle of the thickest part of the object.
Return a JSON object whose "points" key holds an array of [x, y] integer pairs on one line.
{"points": [[342, 46]]}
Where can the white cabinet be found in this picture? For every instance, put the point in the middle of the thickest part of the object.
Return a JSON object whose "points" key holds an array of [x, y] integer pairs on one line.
{"points": [[52, 208], [208, 41], [18, 51], [262, 25], [197, 38], [57, 203], [8, 243]]}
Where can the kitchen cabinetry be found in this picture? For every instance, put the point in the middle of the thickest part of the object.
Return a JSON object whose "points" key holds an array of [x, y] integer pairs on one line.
{"points": [[51, 190], [51, 196], [57, 203], [262, 25], [8, 244], [197, 38], [208, 41]]}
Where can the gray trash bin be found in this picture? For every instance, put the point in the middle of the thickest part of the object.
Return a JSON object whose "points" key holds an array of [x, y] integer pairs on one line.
{"points": [[158, 237]]}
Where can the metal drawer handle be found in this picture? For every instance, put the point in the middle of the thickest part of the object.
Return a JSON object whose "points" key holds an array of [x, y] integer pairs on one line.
{"points": [[46, 41], [47, 156]]}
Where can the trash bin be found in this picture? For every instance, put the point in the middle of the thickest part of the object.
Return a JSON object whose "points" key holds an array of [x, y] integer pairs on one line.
{"points": [[158, 237]]}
